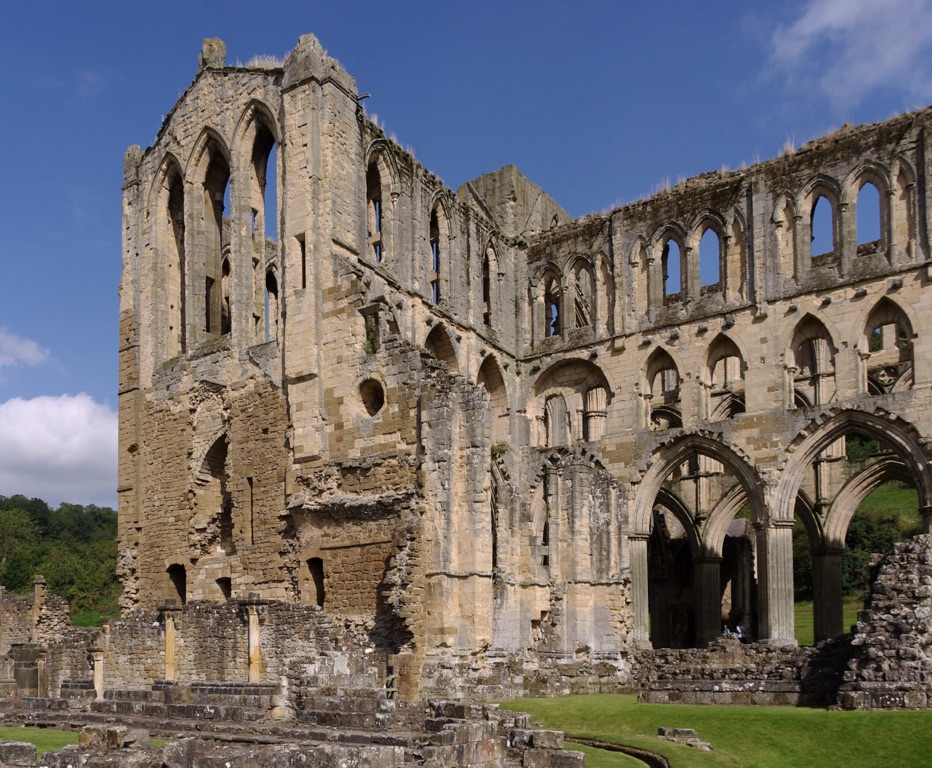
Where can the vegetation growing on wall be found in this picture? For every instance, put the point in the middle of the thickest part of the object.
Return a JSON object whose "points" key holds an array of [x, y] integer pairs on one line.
{"points": [[73, 547]]}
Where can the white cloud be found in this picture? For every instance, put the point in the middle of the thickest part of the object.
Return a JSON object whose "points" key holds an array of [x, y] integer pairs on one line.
{"points": [[59, 449], [15, 350], [847, 49]]}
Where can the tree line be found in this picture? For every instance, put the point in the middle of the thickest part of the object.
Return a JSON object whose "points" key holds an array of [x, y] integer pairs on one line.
{"points": [[74, 547]]}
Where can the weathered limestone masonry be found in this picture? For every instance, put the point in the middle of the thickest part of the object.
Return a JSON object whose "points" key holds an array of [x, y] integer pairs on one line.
{"points": [[498, 449]]}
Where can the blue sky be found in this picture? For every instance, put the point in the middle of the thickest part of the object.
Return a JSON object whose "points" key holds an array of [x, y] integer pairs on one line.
{"points": [[600, 103]]}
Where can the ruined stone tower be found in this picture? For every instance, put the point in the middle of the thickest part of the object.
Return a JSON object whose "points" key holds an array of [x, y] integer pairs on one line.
{"points": [[478, 432]]}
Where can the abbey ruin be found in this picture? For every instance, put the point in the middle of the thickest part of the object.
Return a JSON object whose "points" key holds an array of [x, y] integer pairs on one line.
{"points": [[455, 443], [471, 427]]}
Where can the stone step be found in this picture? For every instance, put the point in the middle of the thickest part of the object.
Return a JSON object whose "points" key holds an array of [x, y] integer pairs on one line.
{"points": [[355, 704], [374, 721]]}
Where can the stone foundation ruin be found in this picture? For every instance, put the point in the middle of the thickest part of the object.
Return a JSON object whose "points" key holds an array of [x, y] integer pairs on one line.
{"points": [[433, 443]]}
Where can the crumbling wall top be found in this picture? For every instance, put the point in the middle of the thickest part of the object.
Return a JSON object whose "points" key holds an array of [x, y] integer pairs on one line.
{"points": [[213, 53], [310, 60]]}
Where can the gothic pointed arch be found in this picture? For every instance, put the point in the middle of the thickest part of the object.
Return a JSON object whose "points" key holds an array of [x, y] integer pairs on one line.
{"points": [[887, 349], [811, 363], [491, 379], [442, 348], [661, 390], [895, 435], [166, 211], [725, 367]]}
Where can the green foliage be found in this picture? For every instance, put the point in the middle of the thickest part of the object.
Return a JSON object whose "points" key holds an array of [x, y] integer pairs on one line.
{"points": [[754, 737], [889, 514], [860, 447], [73, 546]]}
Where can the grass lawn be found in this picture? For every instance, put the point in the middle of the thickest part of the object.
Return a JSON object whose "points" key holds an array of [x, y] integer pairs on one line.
{"points": [[751, 737], [45, 739], [804, 630]]}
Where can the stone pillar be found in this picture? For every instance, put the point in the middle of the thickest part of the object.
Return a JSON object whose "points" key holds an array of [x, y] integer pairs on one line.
{"points": [[827, 594], [637, 544], [40, 590], [707, 585], [170, 646], [42, 689], [595, 414], [775, 569], [255, 651], [98, 659]]}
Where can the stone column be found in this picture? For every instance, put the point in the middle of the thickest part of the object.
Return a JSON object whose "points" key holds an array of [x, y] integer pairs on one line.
{"points": [[707, 585], [827, 594], [169, 646], [595, 414], [775, 553], [637, 544], [98, 658], [255, 650]]}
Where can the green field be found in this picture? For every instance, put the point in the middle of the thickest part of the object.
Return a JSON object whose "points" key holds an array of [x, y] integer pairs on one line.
{"points": [[804, 619], [45, 739], [751, 737]]}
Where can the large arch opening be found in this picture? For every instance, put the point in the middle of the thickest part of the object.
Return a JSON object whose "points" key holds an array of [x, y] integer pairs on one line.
{"points": [[694, 551], [830, 478]]}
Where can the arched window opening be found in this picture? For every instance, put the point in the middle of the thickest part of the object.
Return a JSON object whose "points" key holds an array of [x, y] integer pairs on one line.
{"points": [[177, 342], [710, 259], [262, 186], [271, 306], [890, 350], [822, 232], [315, 567], [374, 212], [584, 298], [727, 391], [726, 379], [215, 198], [440, 346], [813, 356], [868, 218], [663, 393], [179, 582], [225, 585], [553, 305], [487, 286], [212, 518], [670, 263], [490, 377], [556, 422], [434, 257]]}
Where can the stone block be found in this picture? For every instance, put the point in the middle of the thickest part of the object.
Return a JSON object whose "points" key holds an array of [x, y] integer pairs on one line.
{"points": [[551, 758], [17, 753]]}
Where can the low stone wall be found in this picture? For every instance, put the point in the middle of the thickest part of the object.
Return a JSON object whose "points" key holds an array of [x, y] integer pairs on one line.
{"points": [[729, 672]]}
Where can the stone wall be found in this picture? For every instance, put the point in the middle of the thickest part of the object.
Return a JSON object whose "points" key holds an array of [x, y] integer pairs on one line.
{"points": [[892, 640]]}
